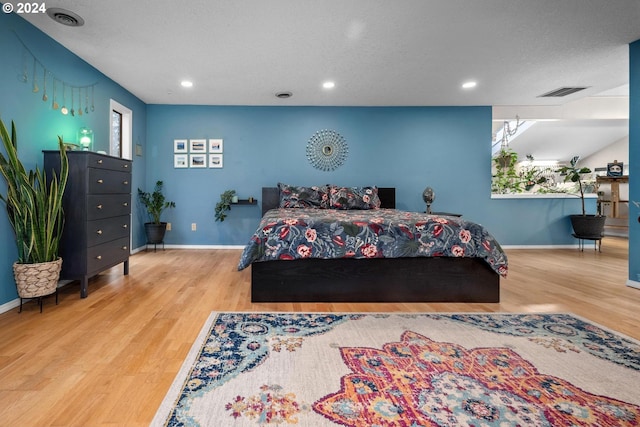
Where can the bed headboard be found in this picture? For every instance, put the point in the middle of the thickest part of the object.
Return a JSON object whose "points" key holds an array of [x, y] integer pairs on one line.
{"points": [[271, 198]]}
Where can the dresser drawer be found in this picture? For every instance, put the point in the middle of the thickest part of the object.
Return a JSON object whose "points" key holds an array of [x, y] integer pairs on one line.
{"points": [[101, 206], [102, 256], [107, 162], [106, 230], [104, 181]]}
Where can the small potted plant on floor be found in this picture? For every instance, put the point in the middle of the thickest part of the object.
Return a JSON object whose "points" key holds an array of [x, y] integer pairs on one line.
{"points": [[155, 203], [34, 207], [586, 226]]}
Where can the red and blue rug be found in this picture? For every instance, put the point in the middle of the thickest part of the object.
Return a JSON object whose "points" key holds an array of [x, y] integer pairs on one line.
{"points": [[410, 370]]}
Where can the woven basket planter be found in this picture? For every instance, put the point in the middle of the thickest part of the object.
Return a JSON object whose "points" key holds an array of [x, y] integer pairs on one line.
{"points": [[37, 280]]}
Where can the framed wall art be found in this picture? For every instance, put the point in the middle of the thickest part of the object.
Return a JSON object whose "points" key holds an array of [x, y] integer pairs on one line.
{"points": [[180, 161], [615, 169], [215, 146], [197, 146], [215, 160], [180, 146], [197, 160]]}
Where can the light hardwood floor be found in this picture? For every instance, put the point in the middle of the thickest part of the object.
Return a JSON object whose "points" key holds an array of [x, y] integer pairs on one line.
{"points": [[108, 360]]}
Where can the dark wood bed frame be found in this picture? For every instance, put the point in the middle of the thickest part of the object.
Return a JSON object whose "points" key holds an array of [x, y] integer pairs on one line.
{"points": [[438, 279]]}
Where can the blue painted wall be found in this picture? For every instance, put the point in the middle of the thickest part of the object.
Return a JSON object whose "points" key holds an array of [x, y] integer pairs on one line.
{"points": [[409, 148], [634, 160], [38, 125]]}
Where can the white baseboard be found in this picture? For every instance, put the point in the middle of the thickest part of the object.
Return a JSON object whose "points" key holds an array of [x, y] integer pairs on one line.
{"points": [[540, 246], [633, 284], [150, 247], [9, 305]]}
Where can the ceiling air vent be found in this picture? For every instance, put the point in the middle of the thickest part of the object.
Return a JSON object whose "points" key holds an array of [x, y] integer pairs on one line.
{"points": [[65, 17], [563, 91]]}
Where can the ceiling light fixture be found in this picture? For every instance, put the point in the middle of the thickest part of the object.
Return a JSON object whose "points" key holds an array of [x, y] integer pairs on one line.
{"points": [[328, 85], [65, 17], [469, 85], [186, 83]]}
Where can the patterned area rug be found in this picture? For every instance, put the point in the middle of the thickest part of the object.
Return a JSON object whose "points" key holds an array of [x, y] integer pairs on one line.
{"points": [[319, 369]]}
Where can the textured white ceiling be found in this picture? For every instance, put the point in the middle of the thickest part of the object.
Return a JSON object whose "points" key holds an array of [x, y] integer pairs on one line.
{"points": [[379, 52]]}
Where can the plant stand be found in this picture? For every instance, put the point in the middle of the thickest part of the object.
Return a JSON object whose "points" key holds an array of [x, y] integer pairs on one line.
{"points": [[39, 300], [597, 242], [155, 245]]}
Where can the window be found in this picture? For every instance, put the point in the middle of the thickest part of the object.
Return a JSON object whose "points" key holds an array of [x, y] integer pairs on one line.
{"points": [[120, 131]]}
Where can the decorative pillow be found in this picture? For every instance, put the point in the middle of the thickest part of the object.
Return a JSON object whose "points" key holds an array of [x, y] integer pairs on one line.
{"points": [[354, 197], [303, 197]]}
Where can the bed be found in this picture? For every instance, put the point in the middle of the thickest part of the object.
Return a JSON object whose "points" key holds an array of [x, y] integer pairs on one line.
{"points": [[414, 271]]}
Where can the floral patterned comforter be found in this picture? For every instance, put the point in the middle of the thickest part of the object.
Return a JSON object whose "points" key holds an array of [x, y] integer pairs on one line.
{"points": [[288, 234]]}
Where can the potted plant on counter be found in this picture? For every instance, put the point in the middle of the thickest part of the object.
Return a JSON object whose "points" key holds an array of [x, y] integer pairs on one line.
{"points": [[586, 226], [34, 207], [155, 203]]}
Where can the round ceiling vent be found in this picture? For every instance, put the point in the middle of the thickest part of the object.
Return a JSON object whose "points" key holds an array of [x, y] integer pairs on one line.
{"points": [[65, 17]]}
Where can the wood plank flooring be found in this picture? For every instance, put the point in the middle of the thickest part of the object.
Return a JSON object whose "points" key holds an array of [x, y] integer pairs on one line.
{"points": [[108, 360]]}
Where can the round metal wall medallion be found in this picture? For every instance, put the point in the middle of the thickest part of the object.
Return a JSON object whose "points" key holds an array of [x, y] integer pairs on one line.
{"points": [[327, 150]]}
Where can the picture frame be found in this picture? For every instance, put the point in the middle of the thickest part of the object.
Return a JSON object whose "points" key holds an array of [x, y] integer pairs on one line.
{"points": [[215, 145], [180, 161], [215, 160], [197, 160], [180, 146], [197, 146], [615, 169]]}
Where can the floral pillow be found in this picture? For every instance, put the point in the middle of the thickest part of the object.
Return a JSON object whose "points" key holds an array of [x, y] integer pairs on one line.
{"points": [[292, 196], [354, 197]]}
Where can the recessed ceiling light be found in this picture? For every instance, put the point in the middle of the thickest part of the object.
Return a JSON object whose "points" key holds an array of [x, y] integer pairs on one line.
{"points": [[186, 83], [469, 85], [284, 95], [328, 85]]}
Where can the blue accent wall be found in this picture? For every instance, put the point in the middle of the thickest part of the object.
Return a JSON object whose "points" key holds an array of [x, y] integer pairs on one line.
{"points": [[38, 125], [409, 148], [634, 160]]}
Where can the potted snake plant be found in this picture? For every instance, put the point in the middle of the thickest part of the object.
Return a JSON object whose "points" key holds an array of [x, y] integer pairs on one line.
{"points": [[34, 207]]}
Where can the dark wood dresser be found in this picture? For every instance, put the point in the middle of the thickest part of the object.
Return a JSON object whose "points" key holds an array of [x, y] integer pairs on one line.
{"points": [[97, 209]]}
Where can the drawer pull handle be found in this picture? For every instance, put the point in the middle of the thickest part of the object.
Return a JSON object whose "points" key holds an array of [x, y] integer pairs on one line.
{"points": [[125, 204], [99, 257], [125, 166], [99, 232], [125, 226], [100, 181], [124, 248], [99, 206], [125, 182], [100, 161]]}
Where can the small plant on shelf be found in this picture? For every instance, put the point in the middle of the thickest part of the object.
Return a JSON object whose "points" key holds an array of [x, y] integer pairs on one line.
{"points": [[224, 205]]}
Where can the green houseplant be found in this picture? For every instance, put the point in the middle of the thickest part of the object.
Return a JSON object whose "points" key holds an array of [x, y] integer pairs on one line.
{"points": [[506, 179], [34, 207], [584, 225], [224, 205], [155, 203]]}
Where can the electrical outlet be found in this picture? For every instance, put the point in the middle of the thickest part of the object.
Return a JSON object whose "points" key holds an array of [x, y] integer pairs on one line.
{"points": [[168, 226], [193, 226]]}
